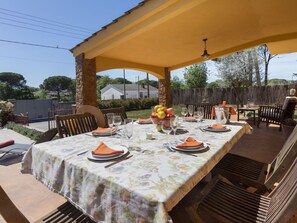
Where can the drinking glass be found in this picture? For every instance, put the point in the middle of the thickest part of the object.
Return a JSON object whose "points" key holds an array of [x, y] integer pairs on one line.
{"points": [[128, 128], [110, 121], [200, 114], [166, 128], [191, 110], [117, 121], [174, 124], [184, 111]]}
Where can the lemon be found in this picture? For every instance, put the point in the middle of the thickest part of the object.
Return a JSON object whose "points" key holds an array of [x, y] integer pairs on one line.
{"points": [[161, 115]]}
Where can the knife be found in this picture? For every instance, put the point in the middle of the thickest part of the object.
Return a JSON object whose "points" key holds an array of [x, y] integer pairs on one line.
{"points": [[118, 161]]}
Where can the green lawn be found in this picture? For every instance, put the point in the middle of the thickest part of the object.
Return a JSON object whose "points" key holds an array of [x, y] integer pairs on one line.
{"points": [[146, 113]]}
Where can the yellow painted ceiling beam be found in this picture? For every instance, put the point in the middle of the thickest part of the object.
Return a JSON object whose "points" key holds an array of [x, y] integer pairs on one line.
{"points": [[103, 63]]}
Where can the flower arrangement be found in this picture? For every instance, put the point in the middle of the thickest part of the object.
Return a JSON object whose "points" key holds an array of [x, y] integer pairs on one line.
{"points": [[6, 109], [160, 114]]}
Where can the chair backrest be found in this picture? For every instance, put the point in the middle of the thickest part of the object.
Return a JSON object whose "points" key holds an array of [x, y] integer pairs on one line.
{"points": [[207, 109], [99, 116], [47, 136], [270, 114], [284, 197], [9, 211], [117, 111], [281, 163], [289, 107], [69, 125]]}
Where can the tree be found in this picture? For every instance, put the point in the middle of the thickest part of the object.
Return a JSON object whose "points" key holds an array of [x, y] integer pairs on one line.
{"points": [[176, 83], [57, 84], [235, 70], [13, 86], [151, 83], [265, 55], [14, 80], [121, 80], [216, 83], [196, 76], [277, 81]]}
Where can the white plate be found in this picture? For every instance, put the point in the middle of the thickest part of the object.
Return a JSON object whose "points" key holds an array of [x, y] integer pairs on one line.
{"points": [[90, 156], [227, 129], [189, 120], [105, 133], [190, 149], [143, 123]]}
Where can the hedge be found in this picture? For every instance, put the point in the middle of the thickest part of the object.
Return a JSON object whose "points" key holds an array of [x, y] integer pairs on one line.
{"points": [[129, 104], [30, 133]]}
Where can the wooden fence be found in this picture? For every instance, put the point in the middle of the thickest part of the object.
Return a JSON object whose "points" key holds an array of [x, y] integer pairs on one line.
{"points": [[266, 95]]}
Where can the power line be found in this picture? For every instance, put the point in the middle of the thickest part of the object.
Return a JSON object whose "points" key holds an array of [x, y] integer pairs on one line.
{"points": [[33, 44], [51, 21], [41, 26], [38, 30], [32, 59]]}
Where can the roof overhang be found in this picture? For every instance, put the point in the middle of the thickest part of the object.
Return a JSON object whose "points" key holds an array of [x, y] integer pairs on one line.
{"points": [[168, 33]]}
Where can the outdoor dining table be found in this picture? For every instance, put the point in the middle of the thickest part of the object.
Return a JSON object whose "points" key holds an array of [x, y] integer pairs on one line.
{"points": [[143, 188]]}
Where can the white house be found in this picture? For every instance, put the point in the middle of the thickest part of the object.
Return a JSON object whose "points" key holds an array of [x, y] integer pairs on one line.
{"points": [[116, 91]]}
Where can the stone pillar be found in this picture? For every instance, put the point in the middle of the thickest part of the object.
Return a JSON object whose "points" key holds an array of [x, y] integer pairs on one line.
{"points": [[164, 89], [85, 81]]}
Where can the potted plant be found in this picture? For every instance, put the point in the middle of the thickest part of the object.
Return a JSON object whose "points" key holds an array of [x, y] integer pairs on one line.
{"points": [[288, 125], [6, 109]]}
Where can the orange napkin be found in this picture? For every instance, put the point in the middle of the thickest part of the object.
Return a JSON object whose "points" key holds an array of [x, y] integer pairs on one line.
{"points": [[190, 118], [144, 120], [103, 130], [103, 149], [217, 126], [190, 142]]}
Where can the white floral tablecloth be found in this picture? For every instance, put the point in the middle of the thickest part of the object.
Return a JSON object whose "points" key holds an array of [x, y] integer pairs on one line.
{"points": [[141, 189]]}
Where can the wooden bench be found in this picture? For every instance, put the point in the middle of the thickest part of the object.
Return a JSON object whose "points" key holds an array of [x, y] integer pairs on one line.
{"points": [[69, 125]]}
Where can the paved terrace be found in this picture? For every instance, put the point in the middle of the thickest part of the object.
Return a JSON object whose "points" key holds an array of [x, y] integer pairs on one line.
{"points": [[28, 194]]}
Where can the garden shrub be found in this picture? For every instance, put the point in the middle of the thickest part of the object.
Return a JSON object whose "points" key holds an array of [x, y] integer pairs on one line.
{"points": [[129, 104], [30, 133]]}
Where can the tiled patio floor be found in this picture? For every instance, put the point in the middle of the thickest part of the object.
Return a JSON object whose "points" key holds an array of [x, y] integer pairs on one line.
{"points": [[28, 193]]}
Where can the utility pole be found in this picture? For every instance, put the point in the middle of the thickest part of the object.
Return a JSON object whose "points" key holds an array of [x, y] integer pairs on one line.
{"points": [[124, 72], [148, 85], [138, 86]]}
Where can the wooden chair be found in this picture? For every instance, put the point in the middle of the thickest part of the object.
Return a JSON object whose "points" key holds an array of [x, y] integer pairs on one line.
{"points": [[69, 125], [244, 171], [270, 115], [228, 203], [207, 108], [20, 150], [99, 116], [117, 111], [64, 213], [277, 114]]}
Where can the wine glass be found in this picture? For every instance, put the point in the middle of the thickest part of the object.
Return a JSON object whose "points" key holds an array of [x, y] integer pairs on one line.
{"points": [[128, 128], [191, 110], [174, 124], [117, 121], [200, 114], [184, 111], [166, 128], [110, 121]]}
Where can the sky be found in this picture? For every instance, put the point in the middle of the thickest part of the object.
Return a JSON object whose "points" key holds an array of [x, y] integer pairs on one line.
{"points": [[77, 20]]}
